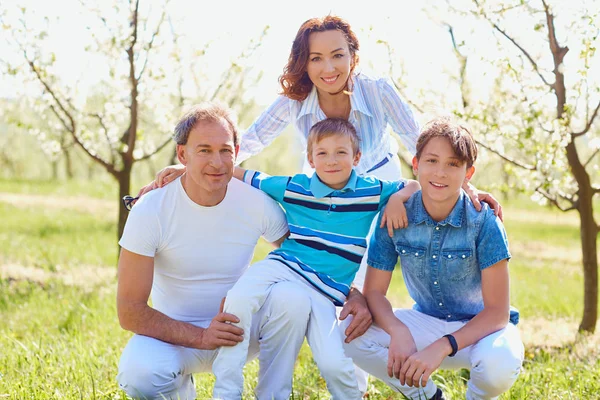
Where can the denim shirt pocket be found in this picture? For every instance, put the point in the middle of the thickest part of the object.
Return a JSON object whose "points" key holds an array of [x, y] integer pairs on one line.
{"points": [[412, 259], [457, 264]]}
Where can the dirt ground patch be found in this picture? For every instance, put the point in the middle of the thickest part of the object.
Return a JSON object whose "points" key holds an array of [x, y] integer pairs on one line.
{"points": [[83, 276], [76, 203]]}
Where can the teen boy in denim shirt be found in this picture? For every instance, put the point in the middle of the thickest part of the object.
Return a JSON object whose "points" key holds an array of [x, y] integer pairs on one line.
{"points": [[455, 265]]}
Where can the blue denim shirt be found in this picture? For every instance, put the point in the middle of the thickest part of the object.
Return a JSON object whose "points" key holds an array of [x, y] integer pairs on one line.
{"points": [[442, 261]]}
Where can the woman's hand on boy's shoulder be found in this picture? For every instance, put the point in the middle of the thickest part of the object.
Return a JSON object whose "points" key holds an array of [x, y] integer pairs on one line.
{"points": [[478, 196]]}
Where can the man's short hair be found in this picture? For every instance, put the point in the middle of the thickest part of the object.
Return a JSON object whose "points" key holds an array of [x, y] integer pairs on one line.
{"points": [[458, 135], [330, 127], [204, 112]]}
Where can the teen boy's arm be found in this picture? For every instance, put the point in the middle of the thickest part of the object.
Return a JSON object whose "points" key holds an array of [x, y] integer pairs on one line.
{"points": [[382, 260]]}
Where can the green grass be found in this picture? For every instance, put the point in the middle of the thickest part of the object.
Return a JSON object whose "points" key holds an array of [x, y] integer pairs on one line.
{"points": [[63, 341]]}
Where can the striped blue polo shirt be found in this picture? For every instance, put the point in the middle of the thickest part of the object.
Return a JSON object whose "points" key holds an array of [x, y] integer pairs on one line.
{"points": [[328, 227]]}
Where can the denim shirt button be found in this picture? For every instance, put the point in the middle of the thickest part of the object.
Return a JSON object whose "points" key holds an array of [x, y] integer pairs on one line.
{"points": [[449, 316], [449, 256], [416, 254], [435, 283], [441, 304], [463, 256], [437, 228], [434, 257], [403, 251]]}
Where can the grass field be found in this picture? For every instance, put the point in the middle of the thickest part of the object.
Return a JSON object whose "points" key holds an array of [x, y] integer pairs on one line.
{"points": [[59, 335]]}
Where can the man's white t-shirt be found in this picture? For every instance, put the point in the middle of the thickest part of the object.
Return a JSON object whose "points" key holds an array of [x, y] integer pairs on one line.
{"points": [[199, 252]]}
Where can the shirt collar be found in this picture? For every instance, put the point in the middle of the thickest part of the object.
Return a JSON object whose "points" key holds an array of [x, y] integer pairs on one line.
{"points": [[310, 105], [320, 190], [420, 215]]}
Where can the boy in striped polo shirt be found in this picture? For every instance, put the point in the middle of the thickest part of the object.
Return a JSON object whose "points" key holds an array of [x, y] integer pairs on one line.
{"points": [[329, 216]]}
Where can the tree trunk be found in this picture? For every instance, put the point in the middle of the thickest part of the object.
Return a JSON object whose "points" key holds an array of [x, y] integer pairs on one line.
{"points": [[589, 250], [124, 189], [68, 164], [54, 170]]}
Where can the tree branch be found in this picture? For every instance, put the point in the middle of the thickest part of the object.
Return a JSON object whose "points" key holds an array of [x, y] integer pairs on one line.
{"points": [[105, 129], [589, 123], [555, 202], [50, 91], [507, 158], [513, 41], [391, 73], [151, 42], [159, 148], [592, 157], [134, 84]]}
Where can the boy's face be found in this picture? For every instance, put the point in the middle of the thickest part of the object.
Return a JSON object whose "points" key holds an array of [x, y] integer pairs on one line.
{"points": [[440, 173], [333, 159]]}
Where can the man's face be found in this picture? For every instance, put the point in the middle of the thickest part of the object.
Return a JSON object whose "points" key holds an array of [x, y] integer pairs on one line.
{"points": [[333, 158], [209, 156], [440, 172]]}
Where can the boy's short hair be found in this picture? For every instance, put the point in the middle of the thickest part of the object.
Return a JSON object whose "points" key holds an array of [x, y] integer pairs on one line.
{"points": [[329, 127], [460, 138]]}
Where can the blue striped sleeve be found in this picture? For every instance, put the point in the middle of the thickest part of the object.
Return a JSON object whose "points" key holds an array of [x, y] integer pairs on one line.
{"points": [[388, 188], [399, 115], [265, 129], [274, 186]]}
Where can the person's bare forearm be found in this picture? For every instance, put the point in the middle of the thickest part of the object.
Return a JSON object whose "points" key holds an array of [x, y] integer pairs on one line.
{"points": [[486, 322], [238, 173], [144, 320], [383, 313]]}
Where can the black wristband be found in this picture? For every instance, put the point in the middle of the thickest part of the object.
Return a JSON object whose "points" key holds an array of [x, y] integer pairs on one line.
{"points": [[453, 344]]}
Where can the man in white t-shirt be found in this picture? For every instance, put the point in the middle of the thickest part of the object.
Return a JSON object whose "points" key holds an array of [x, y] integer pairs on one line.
{"points": [[187, 244]]}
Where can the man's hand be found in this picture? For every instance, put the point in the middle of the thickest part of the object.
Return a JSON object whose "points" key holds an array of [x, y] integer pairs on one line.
{"points": [[220, 332], [356, 304], [417, 369], [402, 346]]}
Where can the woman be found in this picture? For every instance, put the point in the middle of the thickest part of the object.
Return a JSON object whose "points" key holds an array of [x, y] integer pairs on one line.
{"points": [[319, 81]]}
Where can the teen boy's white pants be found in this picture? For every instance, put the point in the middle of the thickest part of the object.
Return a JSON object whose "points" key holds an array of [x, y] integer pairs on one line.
{"points": [[323, 333], [152, 369], [495, 361]]}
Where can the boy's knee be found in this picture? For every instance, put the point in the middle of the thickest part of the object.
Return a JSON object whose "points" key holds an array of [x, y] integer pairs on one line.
{"points": [[496, 372], [291, 301]]}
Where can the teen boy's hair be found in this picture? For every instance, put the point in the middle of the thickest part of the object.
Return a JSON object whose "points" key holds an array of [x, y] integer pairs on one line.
{"points": [[329, 127], [460, 138]]}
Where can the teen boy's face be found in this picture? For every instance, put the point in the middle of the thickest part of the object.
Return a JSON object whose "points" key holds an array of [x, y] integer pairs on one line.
{"points": [[333, 159], [441, 173]]}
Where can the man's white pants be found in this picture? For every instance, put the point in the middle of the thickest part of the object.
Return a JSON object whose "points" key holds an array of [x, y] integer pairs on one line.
{"points": [[152, 369], [323, 333], [495, 361]]}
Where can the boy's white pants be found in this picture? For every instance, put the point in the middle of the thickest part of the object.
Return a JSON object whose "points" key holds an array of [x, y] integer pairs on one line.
{"points": [[495, 361], [152, 369], [323, 333]]}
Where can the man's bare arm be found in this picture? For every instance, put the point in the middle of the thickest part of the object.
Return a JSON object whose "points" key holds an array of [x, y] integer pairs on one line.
{"points": [[134, 284]]}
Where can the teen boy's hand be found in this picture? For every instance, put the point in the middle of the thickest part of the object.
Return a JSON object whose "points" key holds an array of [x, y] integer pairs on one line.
{"points": [[402, 346]]}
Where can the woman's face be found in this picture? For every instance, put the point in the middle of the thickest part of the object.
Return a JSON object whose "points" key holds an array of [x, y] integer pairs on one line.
{"points": [[329, 61]]}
